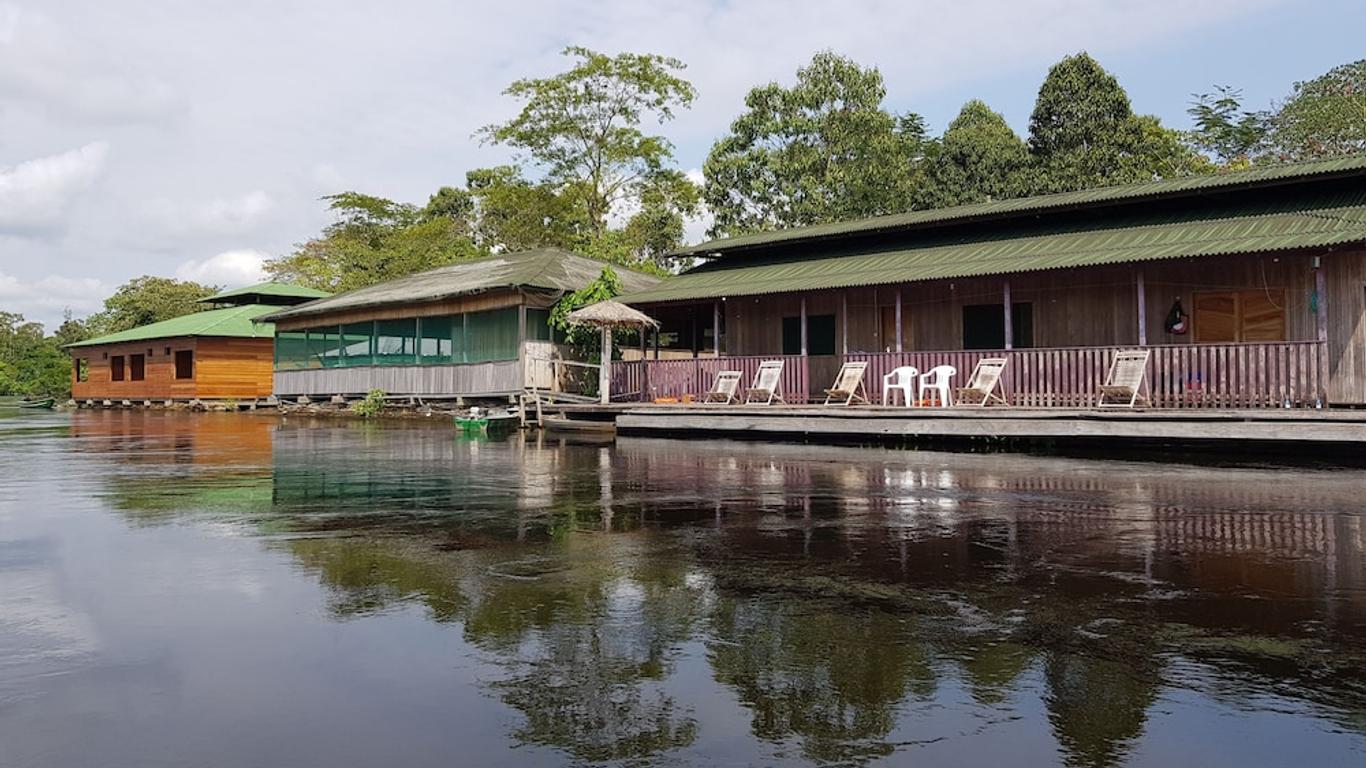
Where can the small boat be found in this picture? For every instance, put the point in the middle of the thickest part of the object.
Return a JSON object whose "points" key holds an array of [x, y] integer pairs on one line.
{"points": [[45, 403], [567, 425], [471, 423]]}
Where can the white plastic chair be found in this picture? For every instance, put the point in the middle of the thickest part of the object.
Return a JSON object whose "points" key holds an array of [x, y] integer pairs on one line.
{"points": [[937, 380], [900, 380]]}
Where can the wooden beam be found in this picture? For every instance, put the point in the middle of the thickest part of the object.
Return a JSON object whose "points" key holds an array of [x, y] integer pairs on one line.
{"points": [[605, 367], [692, 319], [716, 328], [1142, 309], [1009, 318], [899, 347], [803, 320], [1321, 327], [844, 322]]}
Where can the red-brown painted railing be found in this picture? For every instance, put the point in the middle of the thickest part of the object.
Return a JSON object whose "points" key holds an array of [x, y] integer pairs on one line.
{"points": [[694, 376], [1250, 375]]}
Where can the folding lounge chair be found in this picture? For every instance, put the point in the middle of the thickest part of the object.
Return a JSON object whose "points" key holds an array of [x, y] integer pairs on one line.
{"points": [[768, 384], [848, 386], [1125, 382], [726, 388], [982, 383]]}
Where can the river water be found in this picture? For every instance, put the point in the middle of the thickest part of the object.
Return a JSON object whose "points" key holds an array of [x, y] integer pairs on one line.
{"points": [[232, 590]]}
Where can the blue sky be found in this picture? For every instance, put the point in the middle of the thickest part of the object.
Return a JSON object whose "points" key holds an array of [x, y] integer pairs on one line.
{"points": [[194, 139]]}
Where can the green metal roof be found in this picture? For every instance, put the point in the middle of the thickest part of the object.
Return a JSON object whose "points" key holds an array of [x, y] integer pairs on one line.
{"points": [[1312, 221], [235, 322], [549, 269], [1087, 198], [278, 290]]}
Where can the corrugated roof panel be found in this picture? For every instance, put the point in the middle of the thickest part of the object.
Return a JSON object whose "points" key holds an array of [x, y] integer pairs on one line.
{"points": [[1312, 223], [236, 322], [1268, 175]]}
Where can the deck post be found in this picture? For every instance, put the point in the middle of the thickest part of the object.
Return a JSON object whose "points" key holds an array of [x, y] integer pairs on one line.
{"points": [[521, 321], [692, 318], [716, 327], [656, 343], [898, 319], [644, 369], [1009, 318], [1321, 328], [803, 320], [844, 322], [1142, 296], [605, 367]]}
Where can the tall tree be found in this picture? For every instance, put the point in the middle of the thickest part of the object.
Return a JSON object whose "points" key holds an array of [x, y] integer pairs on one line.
{"points": [[1233, 136], [822, 150], [514, 214], [1083, 133], [30, 362], [149, 299], [583, 126], [979, 158], [375, 239], [1323, 117]]}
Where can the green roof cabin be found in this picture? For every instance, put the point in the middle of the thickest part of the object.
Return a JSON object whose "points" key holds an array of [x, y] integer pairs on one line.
{"points": [[1248, 288], [220, 353], [477, 329]]}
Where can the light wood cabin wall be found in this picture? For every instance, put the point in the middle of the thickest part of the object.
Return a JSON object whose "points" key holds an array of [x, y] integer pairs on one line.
{"points": [[224, 368]]}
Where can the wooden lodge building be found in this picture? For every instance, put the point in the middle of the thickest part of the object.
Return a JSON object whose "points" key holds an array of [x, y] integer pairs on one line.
{"points": [[1268, 266], [221, 353], [475, 329]]}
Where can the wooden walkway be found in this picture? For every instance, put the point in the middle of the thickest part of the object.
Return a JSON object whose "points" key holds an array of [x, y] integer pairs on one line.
{"points": [[1249, 428]]}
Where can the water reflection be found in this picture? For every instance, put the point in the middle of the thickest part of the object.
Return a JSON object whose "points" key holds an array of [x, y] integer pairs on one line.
{"points": [[848, 605]]}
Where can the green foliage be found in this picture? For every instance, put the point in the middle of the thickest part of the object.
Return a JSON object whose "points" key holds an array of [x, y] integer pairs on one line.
{"points": [[374, 239], [585, 341], [1323, 117], [514, 214], [1224, 130], [31, 363], [582, 126], [149, 299], [979, 158], [822, 150], [371, 404]]}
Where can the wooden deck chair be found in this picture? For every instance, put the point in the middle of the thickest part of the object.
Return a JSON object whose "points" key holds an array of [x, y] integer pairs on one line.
{"points": [[981, 388], [848, 386], [725, 389], [1125, 381], [768, 384]]}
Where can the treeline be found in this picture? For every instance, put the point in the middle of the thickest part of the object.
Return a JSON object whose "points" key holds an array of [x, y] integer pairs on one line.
{"points": [[588, 176]]}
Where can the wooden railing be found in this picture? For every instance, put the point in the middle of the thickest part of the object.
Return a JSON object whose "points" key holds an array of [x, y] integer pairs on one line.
{"points": [[678, 379], [1250, 375]]}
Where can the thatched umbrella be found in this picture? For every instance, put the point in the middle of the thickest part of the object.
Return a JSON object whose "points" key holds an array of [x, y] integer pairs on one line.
{"points": [[608, 315]]}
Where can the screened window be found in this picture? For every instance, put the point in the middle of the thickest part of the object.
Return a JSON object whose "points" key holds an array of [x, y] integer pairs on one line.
{"points": [[396, 342], [184, 364], [116, 368], [491, 335], [984, 326], [820, 335], [324, 348], [357, 343], [435, 339], [538, 325], [291, 350], [83, 369], [137, 367]]}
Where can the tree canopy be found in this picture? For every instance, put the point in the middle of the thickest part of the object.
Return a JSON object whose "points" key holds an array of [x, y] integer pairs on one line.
{"points": [[979, 158], [822, 150], [1323, 117], [148, 299]]}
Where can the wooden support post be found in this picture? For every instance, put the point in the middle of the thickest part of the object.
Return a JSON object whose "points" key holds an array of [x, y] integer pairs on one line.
{"points": [[1142, 309], [1321, 327], [1009, 318], [692, 319], [803, 326], [899, 347], [605, 369], [716, 327], [844, 322], [521, 322], [656, 343]]}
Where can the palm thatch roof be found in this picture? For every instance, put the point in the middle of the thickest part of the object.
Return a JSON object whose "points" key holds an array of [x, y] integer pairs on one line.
{"points": [[611, 313]]}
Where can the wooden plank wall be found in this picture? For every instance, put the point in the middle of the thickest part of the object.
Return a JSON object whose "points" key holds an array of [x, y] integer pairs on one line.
{"points": [[478, 302], [469, 380], [1345, 273], [224, 368]]}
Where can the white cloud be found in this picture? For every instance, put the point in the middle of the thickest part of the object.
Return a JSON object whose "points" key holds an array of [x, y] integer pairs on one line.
{"points": [[44, 299], [216, 217], [231, 269], [35, 194]]}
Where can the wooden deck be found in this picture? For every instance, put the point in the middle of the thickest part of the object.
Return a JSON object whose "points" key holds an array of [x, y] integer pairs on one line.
{"points": [[1283, 430]]}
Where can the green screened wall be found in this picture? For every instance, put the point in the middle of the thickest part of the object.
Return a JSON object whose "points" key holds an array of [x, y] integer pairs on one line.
{"points": [[471, 337]]}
